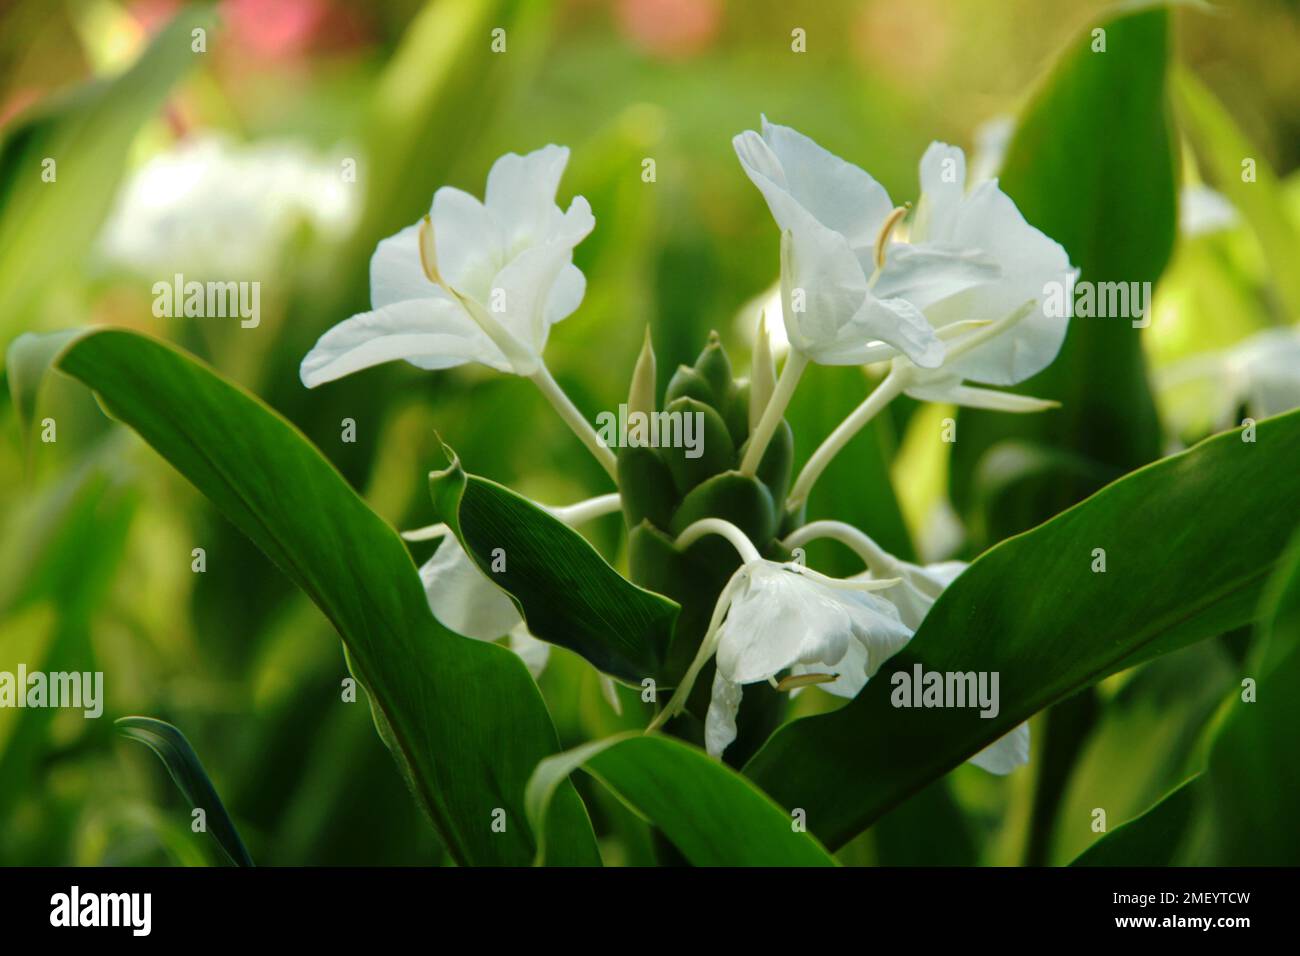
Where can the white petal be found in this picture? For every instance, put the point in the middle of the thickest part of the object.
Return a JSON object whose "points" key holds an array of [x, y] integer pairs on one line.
{"points": [[566, 294], [971, 397], [463, 598], [842, 196], [720, 721], [990, 222], [396, 274], [925, 274], [525, 287], [902, 325], [943, 187], [521, 194], [1006, 753], [531, 651], [430, 333], [469, 242]]}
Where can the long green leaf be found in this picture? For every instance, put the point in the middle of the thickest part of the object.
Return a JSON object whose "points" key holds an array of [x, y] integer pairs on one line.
{"points": [[1092, 164], [465, 722], [1189, 542], [714, 816], [568, 594], [191, 779]]}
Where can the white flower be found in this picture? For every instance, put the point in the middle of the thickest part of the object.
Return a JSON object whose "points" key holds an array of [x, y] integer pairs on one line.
{"points": [[472, 282], [833, 213], [783, 617], [211, 208], [1024, 336], [970, 258], [1260, 373]]}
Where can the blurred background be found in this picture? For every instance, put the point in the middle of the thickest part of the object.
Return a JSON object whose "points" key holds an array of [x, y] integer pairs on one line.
{"points": [[304, 132]]}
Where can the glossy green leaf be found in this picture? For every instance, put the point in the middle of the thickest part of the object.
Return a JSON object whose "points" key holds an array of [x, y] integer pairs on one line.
{"points": [[1254, 765], [46, 225], [186, 771], [567, 592], [1033, 610], [1091, 164], [710, 813], [465, 722]]}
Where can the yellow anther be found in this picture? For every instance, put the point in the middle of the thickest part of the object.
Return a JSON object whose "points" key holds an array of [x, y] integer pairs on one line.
{"points": [[803, 680], [428, 254], [886, 228]]}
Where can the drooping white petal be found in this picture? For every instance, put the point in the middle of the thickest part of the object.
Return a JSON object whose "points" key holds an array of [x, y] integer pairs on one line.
{"points": [[463, 598], [777, 619], [720, 721], [878, 634], [1006, 753], [430, 333], [531, 651]]}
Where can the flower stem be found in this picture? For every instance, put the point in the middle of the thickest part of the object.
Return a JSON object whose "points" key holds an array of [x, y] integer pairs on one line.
{"points": [[573, 418], [774, 412], [885, 392]]}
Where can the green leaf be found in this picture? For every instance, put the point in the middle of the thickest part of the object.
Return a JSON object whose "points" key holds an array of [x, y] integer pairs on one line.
{"points": [[567, 593], [1254, 765], [710, 813], [1149, 840], [44, 226], [191, 779], [1092, 164], [466, 722], [1032, 610]]}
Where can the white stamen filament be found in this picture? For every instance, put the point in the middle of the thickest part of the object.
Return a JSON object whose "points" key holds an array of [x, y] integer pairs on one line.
{"points": [[899, 378]]}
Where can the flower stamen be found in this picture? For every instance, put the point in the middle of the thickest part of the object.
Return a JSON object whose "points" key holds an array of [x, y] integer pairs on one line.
{"points": [[887, 227], [428, 252]]}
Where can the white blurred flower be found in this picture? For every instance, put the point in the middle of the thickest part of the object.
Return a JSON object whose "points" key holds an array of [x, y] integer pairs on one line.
{"points": [[472, 282], [1201, 211], [1260, 373], [214, 208]]}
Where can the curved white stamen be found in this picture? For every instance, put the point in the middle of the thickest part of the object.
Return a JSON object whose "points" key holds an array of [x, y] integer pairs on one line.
{"points": [[724, 529], [877, 559]]}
